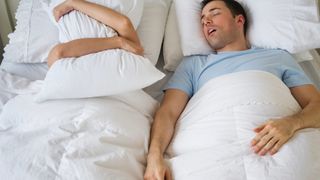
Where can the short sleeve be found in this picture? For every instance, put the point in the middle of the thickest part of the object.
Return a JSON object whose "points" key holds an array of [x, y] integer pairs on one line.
{"points": [[293, 74], [182, 79]]}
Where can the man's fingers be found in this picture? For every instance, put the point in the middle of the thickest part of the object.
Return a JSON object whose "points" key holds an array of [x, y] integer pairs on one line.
{"points": [[276, 147], [268, 146], [263, 141], [258, 137]]}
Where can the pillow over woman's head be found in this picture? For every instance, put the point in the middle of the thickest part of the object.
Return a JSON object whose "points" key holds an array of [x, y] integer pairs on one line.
{"points": [[133, 9], [104, 73]]}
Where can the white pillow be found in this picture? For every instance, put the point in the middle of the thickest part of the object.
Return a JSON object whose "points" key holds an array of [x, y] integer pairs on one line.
{"points": [[172, 53], [133, 9], [192, 38], [150, 31], [104, 73], [101, 74], [152, 26], [285, 24], [34, 35]]}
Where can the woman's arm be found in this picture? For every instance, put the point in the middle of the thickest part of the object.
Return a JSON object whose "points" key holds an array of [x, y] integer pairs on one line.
{"points": [[80, 47], [105, 15], [127, 40]]}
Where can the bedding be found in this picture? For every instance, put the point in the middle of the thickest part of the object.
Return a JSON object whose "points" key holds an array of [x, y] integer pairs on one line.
{"points": [[33, 15], [32, 71], [152, 27], [27, 44], [292, 25], [213, 134], [95, 138], [132, 9], [100, 74], [76, 25], [82, 138], [104, 73], [172, 48], [172, 51], [11, 85]]}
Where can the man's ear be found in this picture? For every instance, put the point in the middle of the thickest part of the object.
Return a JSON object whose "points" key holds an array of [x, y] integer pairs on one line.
{"points": [[240, 20]]}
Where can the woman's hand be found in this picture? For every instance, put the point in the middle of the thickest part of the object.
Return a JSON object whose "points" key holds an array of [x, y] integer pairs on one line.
{"points": [[55, 54], [131, 46], [157, 170], [272, 135], [63, 8]]}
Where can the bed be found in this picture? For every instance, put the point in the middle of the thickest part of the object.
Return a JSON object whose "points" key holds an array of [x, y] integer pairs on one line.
{"points": [[101, 137]]}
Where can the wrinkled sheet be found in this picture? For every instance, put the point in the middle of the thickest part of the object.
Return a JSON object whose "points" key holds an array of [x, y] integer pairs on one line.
{"points": [[94, 138], [213, 134], [11, 85]]}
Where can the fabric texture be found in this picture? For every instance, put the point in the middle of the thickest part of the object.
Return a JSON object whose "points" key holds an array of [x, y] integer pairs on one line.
{"points": [[172, 52], [34, 34], [213, 134], [195, 71], [152, 27], [104, 73], [101, 74], [292, 25], [95, 138], [132, 9]]}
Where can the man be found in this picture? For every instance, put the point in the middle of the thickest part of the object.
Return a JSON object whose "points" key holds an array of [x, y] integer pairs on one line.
{"points": [[224, 26]]}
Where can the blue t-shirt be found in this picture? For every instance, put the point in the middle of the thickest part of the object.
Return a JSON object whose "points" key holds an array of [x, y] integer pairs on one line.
{"points": [[195, 71]]}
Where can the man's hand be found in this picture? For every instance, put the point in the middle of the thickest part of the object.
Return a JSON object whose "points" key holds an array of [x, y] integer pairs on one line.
{"points": [[272, 135], [157, 170]]}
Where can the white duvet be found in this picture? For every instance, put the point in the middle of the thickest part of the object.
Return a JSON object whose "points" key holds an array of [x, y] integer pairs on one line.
{"points": [[81, 139], [212, 139]]}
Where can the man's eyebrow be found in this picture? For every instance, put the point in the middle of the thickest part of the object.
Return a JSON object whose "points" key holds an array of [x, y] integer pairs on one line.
{"points": [[210, 10]]}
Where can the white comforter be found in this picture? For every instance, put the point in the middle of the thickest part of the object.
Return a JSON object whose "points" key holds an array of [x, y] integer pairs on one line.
{"points": [[213, 135], [95, 138]]}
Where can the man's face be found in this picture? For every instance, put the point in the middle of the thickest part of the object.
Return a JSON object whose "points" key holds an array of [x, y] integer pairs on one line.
{"points": [[218, 25]]}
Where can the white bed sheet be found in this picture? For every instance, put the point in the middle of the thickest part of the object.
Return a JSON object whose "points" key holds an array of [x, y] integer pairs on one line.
{"points": [[231, 122], [32, 71], [93, 138]]}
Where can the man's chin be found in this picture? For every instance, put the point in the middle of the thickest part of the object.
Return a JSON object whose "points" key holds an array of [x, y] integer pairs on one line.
{"points": [[215, 47]]}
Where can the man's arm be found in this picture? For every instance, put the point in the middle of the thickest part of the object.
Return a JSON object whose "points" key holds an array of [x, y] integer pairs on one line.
{"points": [[162, 131], [273, 134]]}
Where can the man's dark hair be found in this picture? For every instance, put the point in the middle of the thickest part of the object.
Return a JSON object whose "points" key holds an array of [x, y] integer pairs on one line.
{"points": [[235, 8]]}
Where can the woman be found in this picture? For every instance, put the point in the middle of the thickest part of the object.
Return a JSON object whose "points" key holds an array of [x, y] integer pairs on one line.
{"points": [[127, 39]]}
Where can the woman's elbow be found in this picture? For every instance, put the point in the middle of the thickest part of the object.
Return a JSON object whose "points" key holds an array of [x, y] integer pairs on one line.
{"points": [[125, 24], [55, 54]]}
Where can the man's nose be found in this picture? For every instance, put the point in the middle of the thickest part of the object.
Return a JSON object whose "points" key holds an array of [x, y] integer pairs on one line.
{"points": [[207, 21]]}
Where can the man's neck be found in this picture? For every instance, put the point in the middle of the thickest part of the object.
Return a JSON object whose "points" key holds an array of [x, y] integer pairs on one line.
{"points": [[236, 46]]}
